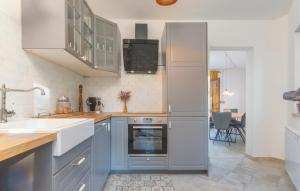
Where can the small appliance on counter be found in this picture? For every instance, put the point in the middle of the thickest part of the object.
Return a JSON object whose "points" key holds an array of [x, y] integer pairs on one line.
{"points": [[63, 105], [95, 104]]}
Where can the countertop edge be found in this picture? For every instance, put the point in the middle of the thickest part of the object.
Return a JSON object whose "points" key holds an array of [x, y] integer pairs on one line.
{"points": [[25, 146], [98, 117], [294, 130]]}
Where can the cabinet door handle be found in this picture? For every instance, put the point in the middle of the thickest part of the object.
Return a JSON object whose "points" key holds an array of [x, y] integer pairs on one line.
{"points": [[79, 162], [82, 187], [170, 125], [170, 109], [108, 127]]}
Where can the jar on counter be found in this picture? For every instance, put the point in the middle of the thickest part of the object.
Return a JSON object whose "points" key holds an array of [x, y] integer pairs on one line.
{"points": [[63, 105]]}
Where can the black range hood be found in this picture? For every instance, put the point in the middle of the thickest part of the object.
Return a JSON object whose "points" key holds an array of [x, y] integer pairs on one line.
{"points": [[140, 55]]}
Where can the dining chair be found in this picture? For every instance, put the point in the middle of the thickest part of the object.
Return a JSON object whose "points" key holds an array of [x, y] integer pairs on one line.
{"points": [[222, 121], [240, 127]]}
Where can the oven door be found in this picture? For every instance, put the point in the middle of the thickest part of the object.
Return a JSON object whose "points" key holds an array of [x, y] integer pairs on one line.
{"points": [[149, 140]]}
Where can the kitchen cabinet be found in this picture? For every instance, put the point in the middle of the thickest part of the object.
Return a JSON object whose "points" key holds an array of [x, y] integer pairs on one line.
{"points": [[188, 44], [188, 143], [185, 94], [101, 154], [73, 169], [29, 171], [80, 30], [67, 38], [185, 81], [187, 91], [107, 43], [292, 149], [119, 143]]}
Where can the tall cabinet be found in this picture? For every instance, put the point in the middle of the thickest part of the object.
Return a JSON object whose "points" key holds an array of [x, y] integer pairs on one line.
{"points": [[185, 94]]}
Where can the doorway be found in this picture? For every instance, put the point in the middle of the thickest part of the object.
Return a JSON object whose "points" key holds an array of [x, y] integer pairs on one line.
{"points": [[227, 97]]}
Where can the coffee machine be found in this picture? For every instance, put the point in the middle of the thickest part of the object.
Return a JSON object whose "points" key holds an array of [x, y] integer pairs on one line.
{"points": [[95, 104]]}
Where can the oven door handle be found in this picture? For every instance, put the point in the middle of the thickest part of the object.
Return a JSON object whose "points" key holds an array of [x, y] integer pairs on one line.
{"points": [[147, 127]]}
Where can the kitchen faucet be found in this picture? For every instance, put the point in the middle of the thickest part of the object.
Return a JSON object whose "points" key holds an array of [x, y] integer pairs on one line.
{"points": [[4, 114]]}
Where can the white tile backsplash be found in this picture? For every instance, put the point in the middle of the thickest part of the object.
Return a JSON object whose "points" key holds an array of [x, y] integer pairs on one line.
{"points": [[19, 69], [146, 91]]}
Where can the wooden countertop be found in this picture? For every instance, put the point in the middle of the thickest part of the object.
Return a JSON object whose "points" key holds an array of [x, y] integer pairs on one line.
{"points": [[102, 116], [14, 144]]}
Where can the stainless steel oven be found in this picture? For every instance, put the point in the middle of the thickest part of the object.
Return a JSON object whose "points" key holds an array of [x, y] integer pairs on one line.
{"points": [[147, 136]]}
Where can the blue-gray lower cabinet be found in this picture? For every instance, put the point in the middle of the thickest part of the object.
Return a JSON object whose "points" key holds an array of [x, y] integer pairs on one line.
{"points": [[73, 169], [101, 154], [119, 143], [188, 143], [29, 171]]}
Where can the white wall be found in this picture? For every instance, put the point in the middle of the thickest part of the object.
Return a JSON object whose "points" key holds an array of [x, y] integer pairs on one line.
{"points": [[294, 59], [19, 69], [233, 79], [266, 78], [146, 91]]}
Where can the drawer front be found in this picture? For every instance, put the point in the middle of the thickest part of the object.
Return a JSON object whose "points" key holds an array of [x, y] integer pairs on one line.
{"points": [[62, 161], [148, 163], [70, 175], [84, 184]]}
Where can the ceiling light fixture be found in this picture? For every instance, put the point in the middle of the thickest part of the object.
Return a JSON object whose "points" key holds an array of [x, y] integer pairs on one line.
{"points": [[166, 2]]}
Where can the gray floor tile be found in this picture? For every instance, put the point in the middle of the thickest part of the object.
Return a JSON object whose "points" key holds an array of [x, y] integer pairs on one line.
{"points": [[230, 170]]}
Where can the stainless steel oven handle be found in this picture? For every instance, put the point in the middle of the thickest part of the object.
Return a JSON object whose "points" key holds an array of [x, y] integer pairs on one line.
{"points": [[147, 127]]}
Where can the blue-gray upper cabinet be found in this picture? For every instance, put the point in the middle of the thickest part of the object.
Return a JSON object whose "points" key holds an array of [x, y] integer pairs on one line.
{"points": [[187, 44], [101, 154], [187, 143], [62, 32], [119, 143], [107, 45], [184, 51]]}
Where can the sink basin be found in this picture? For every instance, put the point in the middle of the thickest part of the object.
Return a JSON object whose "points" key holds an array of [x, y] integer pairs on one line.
{"points": [[70, 132]]}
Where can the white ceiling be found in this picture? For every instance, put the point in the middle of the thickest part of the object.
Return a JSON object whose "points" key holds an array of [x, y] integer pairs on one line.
{"points": [[191, 9], [227, 59]]}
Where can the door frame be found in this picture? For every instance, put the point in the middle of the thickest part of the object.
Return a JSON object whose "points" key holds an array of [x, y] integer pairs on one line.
{"points": [[249, 64]]}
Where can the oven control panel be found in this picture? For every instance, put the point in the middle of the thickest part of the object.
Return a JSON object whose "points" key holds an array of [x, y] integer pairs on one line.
{"points": [[147, 120]]}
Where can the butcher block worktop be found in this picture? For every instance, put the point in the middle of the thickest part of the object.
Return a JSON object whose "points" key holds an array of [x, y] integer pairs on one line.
{"points": [[102, 116], [14, 144]]}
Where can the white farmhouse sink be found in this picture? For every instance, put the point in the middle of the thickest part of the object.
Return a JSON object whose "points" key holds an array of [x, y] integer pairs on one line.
{"points": [[70, 132]]}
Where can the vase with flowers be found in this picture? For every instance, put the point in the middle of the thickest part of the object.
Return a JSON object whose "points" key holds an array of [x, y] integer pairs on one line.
{"points": [[124, 96]]}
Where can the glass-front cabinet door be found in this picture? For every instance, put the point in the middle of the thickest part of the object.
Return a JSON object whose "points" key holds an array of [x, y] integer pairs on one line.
{"points": [[105, 42], [87, 28], [110, 54], [100, 50], [74, 26]]}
